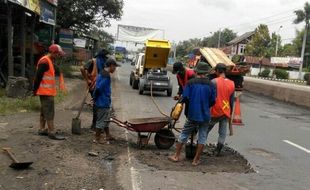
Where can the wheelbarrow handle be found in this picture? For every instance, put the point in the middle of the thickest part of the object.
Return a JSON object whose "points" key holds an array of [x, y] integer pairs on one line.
{"points": [[116, 121], [7, 150]]}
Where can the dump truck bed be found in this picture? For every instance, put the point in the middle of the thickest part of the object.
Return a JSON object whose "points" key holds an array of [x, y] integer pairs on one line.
{"points": [[156, 54]]}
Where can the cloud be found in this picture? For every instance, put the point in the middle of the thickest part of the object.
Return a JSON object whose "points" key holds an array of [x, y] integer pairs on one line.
{"points": [[220, 4]]}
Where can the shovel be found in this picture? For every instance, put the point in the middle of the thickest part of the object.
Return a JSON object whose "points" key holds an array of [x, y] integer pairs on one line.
{"points": [[76, 122], [16, 164]]}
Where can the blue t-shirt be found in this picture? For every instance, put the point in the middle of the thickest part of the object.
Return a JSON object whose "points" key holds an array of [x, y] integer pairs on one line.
{"points": [[100, 61], [102, 92], [199, 95]]}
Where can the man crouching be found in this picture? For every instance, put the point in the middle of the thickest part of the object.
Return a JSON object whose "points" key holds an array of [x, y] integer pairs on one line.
{"points": [[198, 96], [102, 98]]}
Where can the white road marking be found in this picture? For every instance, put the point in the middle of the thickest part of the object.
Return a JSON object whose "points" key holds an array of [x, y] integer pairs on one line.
{"points": [[135, 176], [297, 146]]}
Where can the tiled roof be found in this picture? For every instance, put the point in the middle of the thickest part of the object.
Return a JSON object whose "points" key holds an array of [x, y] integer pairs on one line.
{"points": [[241, 38]]}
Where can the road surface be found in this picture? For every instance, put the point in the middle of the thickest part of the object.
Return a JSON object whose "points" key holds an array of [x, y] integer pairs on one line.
{"points": [[275, 141]]}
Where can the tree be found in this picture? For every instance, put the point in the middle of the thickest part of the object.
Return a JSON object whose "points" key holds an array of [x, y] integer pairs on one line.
{"points": [[288, 50], [303, 16], [226, 36], [258, 46], [186, 47], [273, 45], [104, 38], [82, 15]]}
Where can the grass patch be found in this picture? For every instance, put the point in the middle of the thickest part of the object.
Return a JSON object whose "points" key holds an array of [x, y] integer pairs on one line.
{"points": [[28, 104]]}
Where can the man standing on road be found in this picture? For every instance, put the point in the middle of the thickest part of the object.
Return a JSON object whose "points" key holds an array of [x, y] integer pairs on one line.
{"points": [[102, 98], [198, 96], [183, 76], [222, 110], [45, 87], [89, 72]]}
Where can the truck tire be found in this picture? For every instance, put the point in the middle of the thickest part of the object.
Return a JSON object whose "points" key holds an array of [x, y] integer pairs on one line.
{"points": [[130, 80], [169, 92], [141, 87], [135, 84], [164, 139]]}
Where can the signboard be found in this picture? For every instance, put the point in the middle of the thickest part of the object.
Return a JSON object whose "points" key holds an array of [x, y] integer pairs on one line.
{"points": [[138, 34], [33, 5], [66, 40], [47, 13], [78, 42], [293, 62]]}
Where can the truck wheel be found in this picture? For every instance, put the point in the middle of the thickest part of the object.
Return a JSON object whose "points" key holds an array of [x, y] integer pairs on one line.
{"points": [[135, 84], [164, 139], [130, 80], [141, 87], [169, 92]]}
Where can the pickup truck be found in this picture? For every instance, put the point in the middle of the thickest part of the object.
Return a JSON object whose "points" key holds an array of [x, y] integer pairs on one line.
{"points": [[150, 68]]}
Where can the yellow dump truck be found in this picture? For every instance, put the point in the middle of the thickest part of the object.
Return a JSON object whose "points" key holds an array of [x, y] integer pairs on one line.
{"points": [[150, 68]]}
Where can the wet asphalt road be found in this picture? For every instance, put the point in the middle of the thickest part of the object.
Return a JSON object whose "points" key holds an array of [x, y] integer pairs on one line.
{"points": [[275, 140]]}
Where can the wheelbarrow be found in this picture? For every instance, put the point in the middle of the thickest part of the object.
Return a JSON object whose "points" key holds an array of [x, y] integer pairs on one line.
{"points": [[162, 127]]}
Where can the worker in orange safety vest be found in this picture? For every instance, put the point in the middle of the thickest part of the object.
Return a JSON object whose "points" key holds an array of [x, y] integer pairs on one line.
{"points": [[45, 87], [222, 110]]}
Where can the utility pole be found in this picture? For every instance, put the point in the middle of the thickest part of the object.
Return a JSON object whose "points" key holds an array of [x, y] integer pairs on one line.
{"points": [[219, 40], [277, 44], [303, 51]]}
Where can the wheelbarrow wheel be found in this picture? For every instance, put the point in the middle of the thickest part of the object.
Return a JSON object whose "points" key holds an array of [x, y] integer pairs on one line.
{"points": [[164, 139]]}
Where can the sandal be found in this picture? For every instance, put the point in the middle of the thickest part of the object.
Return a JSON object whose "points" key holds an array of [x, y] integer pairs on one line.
{"points": [[43, 132]]}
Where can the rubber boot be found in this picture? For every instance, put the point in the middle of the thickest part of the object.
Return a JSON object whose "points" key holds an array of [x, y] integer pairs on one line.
{"points": [[198, 154], [51, 131], [219, 148]]}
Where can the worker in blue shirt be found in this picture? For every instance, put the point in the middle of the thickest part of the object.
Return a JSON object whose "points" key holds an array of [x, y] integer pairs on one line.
{"points": [[198, 96], [102, 99]]}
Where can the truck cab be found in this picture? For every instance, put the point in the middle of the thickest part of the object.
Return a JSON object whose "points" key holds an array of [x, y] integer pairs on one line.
{"points": [[150, 68]]}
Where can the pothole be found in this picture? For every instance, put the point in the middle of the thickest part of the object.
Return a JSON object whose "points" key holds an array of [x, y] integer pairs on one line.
{"points": [[264, 153], [230, 160]]}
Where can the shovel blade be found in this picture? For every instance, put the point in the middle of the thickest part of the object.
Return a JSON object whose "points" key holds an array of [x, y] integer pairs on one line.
{"points": [[20, 165], [76, 126]]}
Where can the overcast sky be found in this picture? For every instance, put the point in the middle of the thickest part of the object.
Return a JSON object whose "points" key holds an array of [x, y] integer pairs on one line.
{"points": [[184, 19]]}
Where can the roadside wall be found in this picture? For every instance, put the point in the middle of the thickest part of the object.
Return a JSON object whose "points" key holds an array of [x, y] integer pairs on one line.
{"points": [[292, 74], [291, 93]]}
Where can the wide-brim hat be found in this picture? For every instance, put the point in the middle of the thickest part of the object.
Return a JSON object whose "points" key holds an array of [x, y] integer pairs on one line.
{"points": [[202, 68]]}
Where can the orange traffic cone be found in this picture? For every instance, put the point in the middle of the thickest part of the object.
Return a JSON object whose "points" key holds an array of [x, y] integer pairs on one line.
{"points": [[237, 114], [62, 87]]}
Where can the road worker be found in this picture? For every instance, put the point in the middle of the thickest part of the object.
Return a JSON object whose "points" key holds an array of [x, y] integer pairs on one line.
{"points": [[183, 76], [45, 87], [222, 110], [198, 96]]}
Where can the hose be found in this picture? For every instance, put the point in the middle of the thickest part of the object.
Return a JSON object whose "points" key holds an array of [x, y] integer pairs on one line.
{"points": [[157, 106]]}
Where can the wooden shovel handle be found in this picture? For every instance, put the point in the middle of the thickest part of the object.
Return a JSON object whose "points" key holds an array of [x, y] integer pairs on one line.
{"points": [[7, 150]]}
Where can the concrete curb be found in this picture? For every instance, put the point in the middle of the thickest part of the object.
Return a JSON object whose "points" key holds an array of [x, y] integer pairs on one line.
{"points": [[291, 93]]}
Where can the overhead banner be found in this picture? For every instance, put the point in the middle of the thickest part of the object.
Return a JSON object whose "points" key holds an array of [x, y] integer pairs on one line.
{"points": [[33, 5], [47, 13], [138, 34]]}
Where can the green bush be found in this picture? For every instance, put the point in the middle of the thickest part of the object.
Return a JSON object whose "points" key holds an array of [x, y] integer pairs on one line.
{"points": [[306, 76], [264, 73], [281, 74]]}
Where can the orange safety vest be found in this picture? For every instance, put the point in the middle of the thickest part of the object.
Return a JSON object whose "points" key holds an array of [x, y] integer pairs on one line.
{"points": [[224, 89], [48, 84], [188, 73]]}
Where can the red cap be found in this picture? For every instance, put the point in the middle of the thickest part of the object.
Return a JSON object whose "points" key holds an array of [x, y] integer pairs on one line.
{"points": [[55, 48]]}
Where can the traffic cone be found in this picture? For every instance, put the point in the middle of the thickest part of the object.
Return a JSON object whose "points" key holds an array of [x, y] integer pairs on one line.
{"points": [[62, 86], [237, 120]]}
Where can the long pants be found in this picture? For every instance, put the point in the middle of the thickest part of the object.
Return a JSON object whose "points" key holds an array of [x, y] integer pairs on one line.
{"points": [[223, 122]]}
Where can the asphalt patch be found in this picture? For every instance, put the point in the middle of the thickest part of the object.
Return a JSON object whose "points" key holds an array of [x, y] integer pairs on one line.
{"points": [[230, 161]]}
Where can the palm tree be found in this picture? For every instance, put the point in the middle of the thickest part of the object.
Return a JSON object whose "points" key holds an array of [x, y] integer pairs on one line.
{"points": [[303, 16]]}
